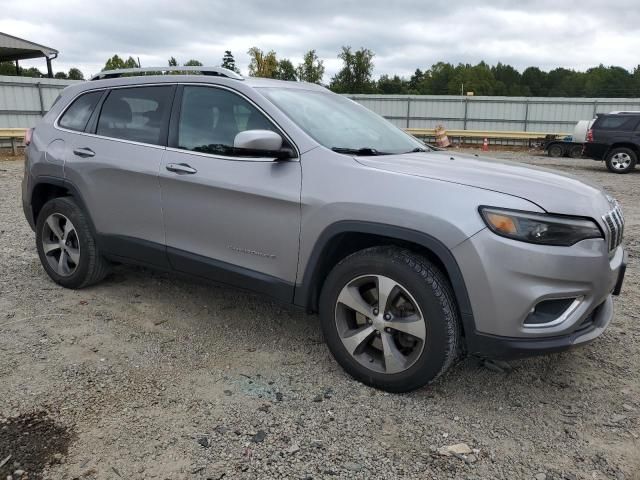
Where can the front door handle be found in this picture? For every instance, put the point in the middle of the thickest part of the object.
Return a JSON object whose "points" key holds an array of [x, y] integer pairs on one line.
{"points": [[84, 152], [181, 168]]}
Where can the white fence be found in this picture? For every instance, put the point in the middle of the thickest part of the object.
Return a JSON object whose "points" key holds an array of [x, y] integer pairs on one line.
{"points": [[520, 114], [24, 100]]}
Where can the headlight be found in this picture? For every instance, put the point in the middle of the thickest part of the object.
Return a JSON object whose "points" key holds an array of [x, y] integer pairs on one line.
{"points": [[539, 228]]}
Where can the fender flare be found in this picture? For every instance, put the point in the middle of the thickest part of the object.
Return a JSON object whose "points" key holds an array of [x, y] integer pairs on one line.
{"points": [[65, 184], [305, 291]]}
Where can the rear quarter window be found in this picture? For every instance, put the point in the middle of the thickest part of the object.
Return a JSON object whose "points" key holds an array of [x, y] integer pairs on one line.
{"points": [[617, 122], [78, 113]]}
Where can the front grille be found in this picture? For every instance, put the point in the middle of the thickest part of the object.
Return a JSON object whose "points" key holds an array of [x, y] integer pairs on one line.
{"points": [[615, 226]]}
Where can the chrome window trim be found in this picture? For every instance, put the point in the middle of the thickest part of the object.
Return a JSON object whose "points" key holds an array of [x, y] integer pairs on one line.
{"points": [[232, 158], [173, 149]]}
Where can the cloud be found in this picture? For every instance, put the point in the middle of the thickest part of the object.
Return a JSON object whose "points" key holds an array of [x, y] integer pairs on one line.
{"points": [[404, 34]]}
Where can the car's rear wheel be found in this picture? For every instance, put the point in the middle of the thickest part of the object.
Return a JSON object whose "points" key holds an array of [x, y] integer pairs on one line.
{"points": [[621, 160], [66, 246], [389, 318]]}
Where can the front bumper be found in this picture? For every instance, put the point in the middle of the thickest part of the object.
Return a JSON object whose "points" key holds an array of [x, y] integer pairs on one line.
{"points": [[506, 348], [507, 279]]}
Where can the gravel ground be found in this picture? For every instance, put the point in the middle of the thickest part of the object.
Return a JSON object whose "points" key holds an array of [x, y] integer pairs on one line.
{"points": [[148, 375]]}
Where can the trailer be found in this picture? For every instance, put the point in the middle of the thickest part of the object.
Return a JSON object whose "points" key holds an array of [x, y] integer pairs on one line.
{"points": [[571, 145]]}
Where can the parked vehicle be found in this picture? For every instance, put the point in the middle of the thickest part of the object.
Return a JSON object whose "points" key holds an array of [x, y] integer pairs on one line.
{"points": [[615, 138], [570, 146], [412, 256]]}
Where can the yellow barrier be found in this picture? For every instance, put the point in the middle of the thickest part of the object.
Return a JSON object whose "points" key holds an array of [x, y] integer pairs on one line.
{"points": [[430, 132], [12, 134]]}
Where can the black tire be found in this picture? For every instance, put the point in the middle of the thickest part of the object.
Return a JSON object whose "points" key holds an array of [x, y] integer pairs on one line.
{"points": [[555, 150], [91, 267], [575, 151], [433, 294], [614, 160]]}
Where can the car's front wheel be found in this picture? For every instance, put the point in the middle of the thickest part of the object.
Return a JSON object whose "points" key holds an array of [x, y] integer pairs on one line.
{"points": [[621, 160], [389, 318], [66, 246]]}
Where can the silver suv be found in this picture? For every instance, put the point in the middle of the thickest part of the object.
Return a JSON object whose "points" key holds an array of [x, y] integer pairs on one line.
{"points": [[411, 256]]}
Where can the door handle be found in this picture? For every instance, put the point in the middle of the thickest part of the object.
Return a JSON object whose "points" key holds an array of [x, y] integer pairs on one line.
{"points": [[84, 152], [181, 168]]}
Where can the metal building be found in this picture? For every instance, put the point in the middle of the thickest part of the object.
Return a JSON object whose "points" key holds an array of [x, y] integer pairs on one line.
{"points": [[14, 49]]}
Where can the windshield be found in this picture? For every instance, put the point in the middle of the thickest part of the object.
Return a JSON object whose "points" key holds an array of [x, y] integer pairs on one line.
{"points": [[341, 124]]}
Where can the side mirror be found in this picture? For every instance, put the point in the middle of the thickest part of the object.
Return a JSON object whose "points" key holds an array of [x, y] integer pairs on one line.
{"points": [[258, 140]]}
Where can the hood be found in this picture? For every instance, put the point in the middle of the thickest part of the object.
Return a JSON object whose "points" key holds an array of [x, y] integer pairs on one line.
{"points": [[553, 192]]}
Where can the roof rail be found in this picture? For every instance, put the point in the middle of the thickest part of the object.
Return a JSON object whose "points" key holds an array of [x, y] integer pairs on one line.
{"points": [[624, 112], [213, 71]]}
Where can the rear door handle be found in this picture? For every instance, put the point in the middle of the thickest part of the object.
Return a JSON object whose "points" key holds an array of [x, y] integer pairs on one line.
{"points": [[84, 152], [181, 168]]}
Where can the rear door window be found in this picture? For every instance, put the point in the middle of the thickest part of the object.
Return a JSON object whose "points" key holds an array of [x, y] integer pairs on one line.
{"points": [[78, 114], [139, 114]]}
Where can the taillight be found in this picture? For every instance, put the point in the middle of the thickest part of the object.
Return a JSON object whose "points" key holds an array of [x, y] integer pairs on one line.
{"points": [[589, 135], [27, 136]]}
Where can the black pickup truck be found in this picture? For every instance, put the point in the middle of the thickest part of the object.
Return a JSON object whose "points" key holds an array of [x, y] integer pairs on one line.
{"points": [[615, 138]]}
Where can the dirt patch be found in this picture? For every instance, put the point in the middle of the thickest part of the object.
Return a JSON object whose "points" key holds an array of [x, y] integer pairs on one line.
{"points": [[29, 442]]}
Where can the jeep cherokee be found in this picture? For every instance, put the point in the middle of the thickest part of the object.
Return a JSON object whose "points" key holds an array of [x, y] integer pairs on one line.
{"points": [[411, 256]]}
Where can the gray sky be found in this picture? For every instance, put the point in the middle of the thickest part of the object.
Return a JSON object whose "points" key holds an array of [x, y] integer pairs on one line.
{"points": [[404, 35]]}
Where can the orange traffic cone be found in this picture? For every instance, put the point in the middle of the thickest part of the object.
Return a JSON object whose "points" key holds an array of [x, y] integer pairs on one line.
{"points": [[485, 145]]}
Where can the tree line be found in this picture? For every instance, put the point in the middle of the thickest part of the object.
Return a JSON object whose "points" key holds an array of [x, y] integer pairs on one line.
{"points": [[356, 75], [9, 68]]}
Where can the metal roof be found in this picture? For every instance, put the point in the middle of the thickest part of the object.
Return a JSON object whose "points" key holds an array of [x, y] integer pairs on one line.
{"points": [[14, 48]]}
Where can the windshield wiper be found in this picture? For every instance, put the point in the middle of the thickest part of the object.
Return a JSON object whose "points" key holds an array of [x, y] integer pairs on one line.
{"points": [[359, 151], [417, 149]]}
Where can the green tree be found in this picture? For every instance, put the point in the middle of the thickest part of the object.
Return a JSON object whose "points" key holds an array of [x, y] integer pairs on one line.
{"points": [[229, 62], [173, 62], [31, 72], [416, 80], [393, 85], [611, 81], [472, 78], [75, 74], [311, 69], [286, 70], [116, 63], [262, 64], [193, 63], [536, 80], [7, 68], [60, 75], [508, 80], [437, 79], [356, 73]]}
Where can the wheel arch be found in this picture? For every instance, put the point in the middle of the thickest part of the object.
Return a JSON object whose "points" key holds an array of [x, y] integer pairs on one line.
{"points": [[345, 237], [47, 188], [631, 146]]}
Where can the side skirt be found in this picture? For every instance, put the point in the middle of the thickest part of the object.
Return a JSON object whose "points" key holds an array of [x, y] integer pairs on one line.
{"points": [[141, 252]]}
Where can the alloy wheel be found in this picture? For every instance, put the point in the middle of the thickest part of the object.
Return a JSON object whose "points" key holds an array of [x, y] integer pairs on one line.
{"points": [[621, 161], [380, 324], [60, 244]]}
